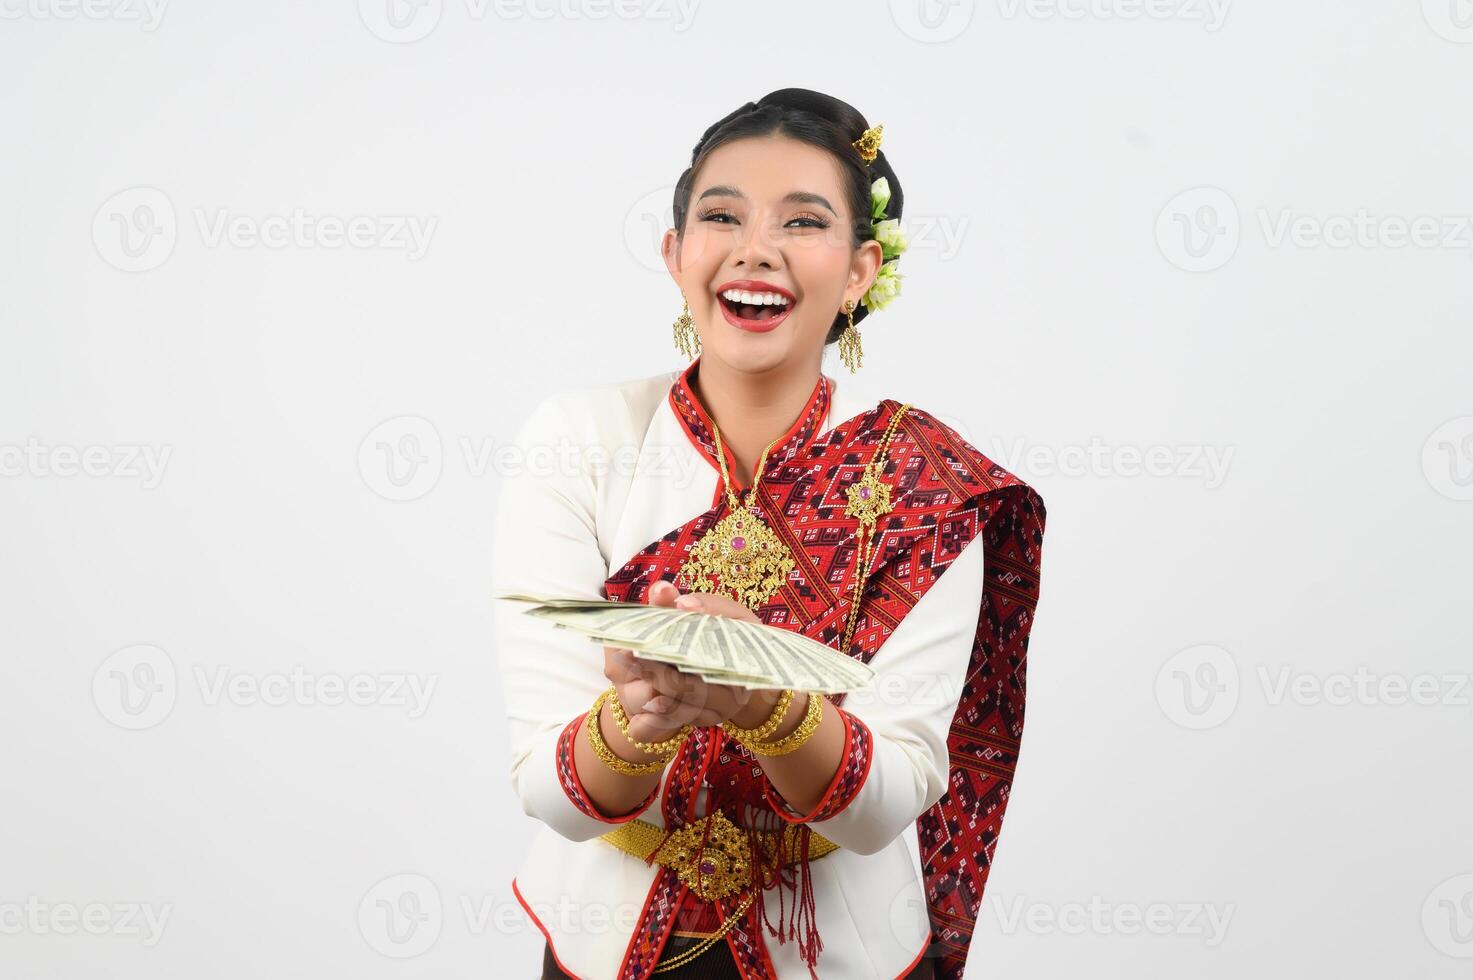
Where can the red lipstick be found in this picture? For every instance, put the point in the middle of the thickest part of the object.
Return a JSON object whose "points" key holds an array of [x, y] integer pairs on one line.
{"points": [[761, 324]]}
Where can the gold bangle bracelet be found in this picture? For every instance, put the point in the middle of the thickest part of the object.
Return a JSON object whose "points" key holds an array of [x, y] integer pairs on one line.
{"points": [[666, 748], [773, 723], [606, 755], [797, 736]]}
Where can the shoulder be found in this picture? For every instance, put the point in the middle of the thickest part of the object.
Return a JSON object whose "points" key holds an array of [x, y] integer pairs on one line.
{"points": [[600, 411], [953, 462]]}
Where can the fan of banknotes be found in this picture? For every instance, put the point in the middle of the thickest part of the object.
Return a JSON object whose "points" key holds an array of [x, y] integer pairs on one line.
{"points": [[719, 649]]}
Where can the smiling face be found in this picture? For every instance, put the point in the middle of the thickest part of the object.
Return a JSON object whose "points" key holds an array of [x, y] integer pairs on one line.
{"points": [[767, 259]]}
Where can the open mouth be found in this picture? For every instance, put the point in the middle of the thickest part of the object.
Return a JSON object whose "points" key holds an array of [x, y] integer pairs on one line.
{"points": [[754, 311]]}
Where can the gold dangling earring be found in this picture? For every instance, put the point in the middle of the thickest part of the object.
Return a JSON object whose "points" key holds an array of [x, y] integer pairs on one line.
{"points": [[687, 341], [850, 350]]}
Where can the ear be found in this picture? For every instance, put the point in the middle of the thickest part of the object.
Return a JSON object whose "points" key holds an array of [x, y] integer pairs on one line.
{"points": [[669, 251], [862, 271]]}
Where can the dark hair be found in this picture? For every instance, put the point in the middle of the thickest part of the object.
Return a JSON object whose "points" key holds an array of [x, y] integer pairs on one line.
{"points": [[812, 117]]}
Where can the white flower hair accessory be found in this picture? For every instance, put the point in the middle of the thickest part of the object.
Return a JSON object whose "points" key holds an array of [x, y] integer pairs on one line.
{"points": [[892, 241]]}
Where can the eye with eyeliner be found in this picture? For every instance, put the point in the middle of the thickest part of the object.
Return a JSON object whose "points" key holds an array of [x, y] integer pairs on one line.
{"points": [[714, 213]]}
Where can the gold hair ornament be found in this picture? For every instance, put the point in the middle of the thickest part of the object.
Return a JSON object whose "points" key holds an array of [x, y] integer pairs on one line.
{"points": [[868, 143]]}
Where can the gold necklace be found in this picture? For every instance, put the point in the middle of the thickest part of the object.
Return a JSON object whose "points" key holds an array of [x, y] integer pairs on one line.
{"points": [[740, 550], [869, 500]]}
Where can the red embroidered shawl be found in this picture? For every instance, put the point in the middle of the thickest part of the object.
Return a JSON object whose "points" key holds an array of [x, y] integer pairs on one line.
{"points": [[944, 493]]}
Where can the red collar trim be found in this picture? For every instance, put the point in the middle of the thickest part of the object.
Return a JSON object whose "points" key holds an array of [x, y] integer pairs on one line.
{"points": [[699, 428]]}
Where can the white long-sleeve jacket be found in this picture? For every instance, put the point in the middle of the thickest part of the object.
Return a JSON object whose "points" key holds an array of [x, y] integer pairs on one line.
{"points": [[597, 475]]}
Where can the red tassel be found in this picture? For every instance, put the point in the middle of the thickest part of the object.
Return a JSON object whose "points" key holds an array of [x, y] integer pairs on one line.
{"points": [[770, 871], [803, 926], [809, 943]]}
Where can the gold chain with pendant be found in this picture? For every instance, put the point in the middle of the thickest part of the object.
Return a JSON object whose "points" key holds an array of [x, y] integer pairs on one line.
{"points": [[869, 500], [741, 550], [746, 557]]}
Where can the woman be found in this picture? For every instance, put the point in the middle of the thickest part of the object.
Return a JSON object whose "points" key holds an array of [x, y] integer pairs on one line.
{"points": [[694, 829]]}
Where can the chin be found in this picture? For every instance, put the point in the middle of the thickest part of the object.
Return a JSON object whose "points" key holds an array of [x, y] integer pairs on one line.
{"points": [[754, 353]]}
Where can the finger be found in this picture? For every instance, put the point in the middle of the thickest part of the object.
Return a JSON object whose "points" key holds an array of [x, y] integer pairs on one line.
{"points": [[621, 666], [634, 695], [716, 605], [679, 713], [645, 727], [739, 695], [663, 593], [676, 683]]}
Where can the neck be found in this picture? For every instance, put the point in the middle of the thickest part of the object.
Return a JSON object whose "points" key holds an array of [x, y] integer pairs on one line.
{"points": [[753, 408]]}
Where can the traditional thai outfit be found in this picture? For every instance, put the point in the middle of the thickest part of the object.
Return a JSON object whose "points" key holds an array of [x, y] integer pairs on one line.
{"points": [[615, 485]]}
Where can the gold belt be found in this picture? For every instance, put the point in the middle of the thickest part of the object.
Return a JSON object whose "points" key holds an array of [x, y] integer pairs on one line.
{"points": [[719, 866]]}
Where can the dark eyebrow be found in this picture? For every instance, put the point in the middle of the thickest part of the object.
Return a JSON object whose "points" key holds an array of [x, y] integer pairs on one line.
{"points": [[795, 197]]}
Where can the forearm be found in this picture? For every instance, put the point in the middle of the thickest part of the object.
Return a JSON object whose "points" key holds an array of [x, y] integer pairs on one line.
{"points": [[802, 776], [614, 793]]}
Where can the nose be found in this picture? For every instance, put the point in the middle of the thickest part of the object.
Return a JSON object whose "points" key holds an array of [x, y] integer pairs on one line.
{"points": [[755, 247]]}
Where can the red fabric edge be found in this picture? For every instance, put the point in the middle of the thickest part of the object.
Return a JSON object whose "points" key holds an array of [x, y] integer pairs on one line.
{"points": [[683, 382], [779, 805], [731, 940], [919, 956], [644, 909], [541, 928], [593, 811]]}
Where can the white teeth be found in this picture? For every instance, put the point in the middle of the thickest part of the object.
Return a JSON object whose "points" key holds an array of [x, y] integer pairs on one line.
{"points": [[755, 299]]}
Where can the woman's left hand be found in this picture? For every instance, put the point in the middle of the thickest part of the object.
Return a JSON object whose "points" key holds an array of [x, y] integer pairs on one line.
{"points": [[688, 699]]}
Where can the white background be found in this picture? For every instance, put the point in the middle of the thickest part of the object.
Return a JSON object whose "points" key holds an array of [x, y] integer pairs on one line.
{"points": [[1154, 226]]}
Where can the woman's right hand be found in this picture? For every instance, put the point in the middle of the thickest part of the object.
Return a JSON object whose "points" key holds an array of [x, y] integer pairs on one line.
{"points": [[634, 690], [633, 686]]}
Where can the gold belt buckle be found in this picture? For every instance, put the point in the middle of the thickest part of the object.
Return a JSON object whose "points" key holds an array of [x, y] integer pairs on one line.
{"points": [[714, 864]]}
